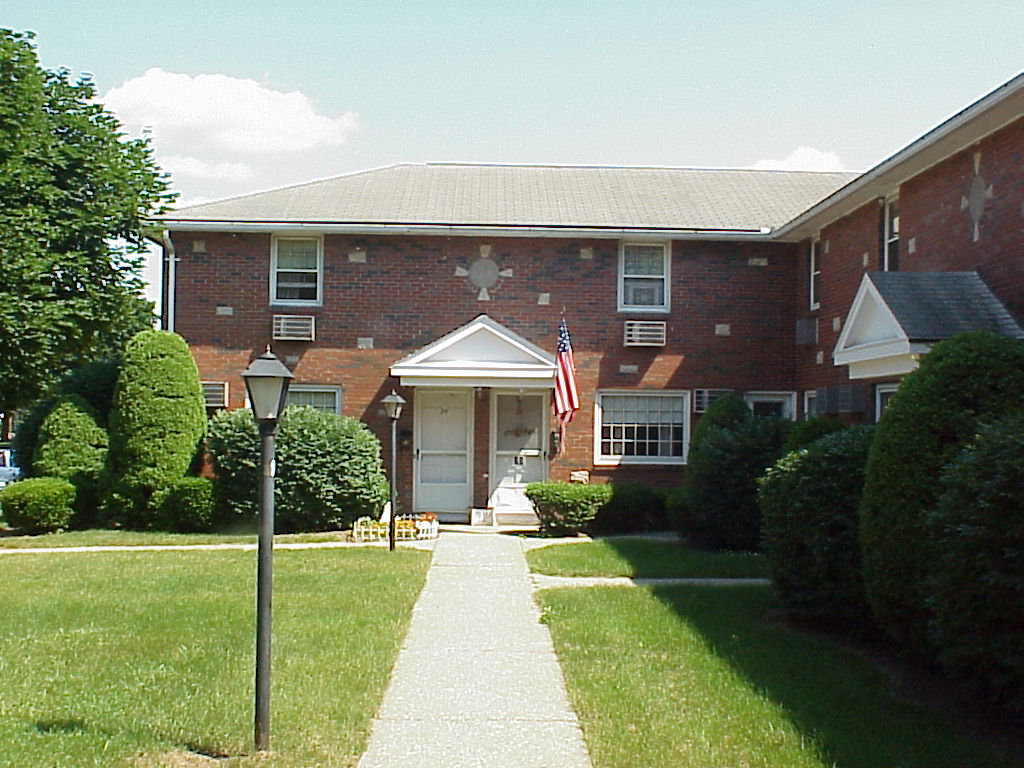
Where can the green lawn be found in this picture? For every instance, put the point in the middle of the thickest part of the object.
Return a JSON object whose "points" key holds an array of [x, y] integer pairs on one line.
{"points": [[104, 538], [124, 659], [643, 558], [697, 677]]}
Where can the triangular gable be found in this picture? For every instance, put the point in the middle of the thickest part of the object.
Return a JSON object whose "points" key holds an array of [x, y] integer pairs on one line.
{"points": [[873, 342], [481, 353]]}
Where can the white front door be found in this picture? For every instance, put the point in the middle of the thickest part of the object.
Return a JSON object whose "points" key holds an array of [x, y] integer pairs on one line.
{"points": [[518, 447], [444, 457]]}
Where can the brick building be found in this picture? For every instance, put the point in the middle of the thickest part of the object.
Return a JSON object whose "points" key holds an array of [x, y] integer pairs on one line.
{"points": [[446, 282]]}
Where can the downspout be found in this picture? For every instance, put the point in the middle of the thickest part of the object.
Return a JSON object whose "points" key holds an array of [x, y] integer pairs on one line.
{"points": [[169, 275]]}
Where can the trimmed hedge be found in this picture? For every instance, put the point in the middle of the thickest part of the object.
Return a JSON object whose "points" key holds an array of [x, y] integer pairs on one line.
{"points": [[72, 446], [963, 380], [632, 508], [807, 431], [156, 425], [566, 507], [38, 504], [809, 501], [186, 505], [977, 577], [717, 505], [329, 470]]}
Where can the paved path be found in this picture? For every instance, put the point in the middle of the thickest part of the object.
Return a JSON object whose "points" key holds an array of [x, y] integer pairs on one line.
{"points": [[476, 682]]}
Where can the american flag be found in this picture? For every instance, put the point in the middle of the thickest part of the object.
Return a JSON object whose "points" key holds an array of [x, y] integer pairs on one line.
{"points": [[566, 396]]}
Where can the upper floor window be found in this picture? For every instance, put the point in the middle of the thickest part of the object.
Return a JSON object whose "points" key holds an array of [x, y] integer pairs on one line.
{"points": [[644, 277], [814, 274], [641, 427], [891, 238], [296, 270]]}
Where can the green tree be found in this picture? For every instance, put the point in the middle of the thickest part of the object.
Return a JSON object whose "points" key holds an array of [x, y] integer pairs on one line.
{"points": [[74, 194]]}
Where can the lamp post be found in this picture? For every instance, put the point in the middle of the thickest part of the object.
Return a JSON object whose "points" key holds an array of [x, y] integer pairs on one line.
{"points": [[266, 381], [393, 406]]}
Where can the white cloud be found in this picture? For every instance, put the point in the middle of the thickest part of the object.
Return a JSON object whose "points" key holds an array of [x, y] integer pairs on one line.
{"points": [[220, 135], [803, 159]]}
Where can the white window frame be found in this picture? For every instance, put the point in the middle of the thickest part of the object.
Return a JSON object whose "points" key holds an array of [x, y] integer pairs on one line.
{"points": [[666, 305], [335, 390], [318, 301], [788, 399], [602, 460], [883, 389], [810, 403], [890, 239], [813, 273]]}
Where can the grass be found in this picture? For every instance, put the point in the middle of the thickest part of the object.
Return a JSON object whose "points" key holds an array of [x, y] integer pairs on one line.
{"points": [[107, 538], [137, 659], [691, 676], [643, 558]]}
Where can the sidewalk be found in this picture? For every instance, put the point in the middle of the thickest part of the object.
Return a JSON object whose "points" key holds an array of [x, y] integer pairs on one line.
{"points": [[476, 682]]}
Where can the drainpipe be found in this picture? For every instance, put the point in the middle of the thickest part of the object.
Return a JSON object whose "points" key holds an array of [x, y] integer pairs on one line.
{"points": [[171, 262]]}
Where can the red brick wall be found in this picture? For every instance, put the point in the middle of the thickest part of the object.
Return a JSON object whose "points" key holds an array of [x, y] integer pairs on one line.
{"points": [[407, 294]]}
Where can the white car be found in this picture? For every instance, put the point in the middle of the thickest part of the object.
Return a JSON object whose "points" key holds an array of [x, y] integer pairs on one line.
{"points": [[8, 471]]}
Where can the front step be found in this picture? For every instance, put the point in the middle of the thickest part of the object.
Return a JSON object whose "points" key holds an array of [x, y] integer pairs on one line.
{"points": [[515, 518]]}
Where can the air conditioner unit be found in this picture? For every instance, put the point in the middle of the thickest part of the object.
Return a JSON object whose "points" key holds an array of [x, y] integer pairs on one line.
{"points": [[643, 333], [294, 328], [702, 398], [215, 393]]}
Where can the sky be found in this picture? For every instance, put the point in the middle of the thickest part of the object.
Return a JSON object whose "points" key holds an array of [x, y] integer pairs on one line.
{"points": [[245, 96]]}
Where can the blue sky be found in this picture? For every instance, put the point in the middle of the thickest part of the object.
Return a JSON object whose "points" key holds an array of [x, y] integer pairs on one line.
{"points": [[246, 96]]}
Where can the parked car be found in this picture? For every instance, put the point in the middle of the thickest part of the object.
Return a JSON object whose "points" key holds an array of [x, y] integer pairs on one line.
{"points": [[8, 471]]}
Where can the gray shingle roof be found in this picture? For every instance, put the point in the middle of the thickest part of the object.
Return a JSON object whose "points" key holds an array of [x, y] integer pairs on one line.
{"points": [[931, 306], [536, 196]]}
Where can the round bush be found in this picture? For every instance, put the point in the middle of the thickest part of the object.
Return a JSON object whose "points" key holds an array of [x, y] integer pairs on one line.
{"points": [[73, 446], [809, 501], [38, 504], [566, 507], [157, 422], [977, 577], [186, 505], [807, 431], [328, 469], [717, 506], [971, 377], [727, 411], [631, 508]]}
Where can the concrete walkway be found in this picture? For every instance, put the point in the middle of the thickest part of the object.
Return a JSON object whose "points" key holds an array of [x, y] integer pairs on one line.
{"points": [[476, 682]]}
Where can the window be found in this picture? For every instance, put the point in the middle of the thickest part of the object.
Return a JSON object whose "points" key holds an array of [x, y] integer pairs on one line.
{"points": [[644, 277], [810, 403], [641, 427], [814, 273], [883, 392], [296, 270], [891, 238], [322, 398], [782, 404]]}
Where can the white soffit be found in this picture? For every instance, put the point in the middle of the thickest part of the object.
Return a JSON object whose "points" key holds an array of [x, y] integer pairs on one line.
{"points": [[482, 353]]}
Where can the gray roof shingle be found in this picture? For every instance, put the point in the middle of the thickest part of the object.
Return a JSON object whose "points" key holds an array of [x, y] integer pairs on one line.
{"points": [[931, 306], [536, 196]]}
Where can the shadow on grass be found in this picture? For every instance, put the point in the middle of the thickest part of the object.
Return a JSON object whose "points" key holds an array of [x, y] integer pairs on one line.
{"points": [[60, 726], [661, 557], [835, 697]]}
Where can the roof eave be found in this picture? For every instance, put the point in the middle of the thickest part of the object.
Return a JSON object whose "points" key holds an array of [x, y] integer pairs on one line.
{"points": [[1001, 107]]}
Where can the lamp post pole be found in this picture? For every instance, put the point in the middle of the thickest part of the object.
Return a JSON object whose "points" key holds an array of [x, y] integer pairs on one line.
{"points": [[393, 407], [266, 381]]}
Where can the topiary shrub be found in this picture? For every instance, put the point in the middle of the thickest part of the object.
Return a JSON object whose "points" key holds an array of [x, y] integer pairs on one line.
{"points": [[328, 470], [809, 500], [566, 507], [717, 507], [976, 581], [157, 422], [937, 408], [38, 504], [72, 446], [186, 505], [632, 507], [807, 431], [727, 411]]}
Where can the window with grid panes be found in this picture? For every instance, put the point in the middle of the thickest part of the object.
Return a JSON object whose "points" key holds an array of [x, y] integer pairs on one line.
{"points": [[643, 277], [322, 398], [642, 428], [296, 270]]}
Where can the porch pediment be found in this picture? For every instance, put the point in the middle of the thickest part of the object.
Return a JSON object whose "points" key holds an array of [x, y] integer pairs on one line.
{"points": [[482, 353]]}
